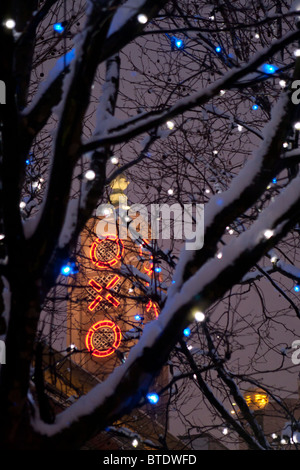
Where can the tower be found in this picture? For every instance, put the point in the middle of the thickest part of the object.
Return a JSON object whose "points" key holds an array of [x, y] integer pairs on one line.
{"points": [[109, 298]]}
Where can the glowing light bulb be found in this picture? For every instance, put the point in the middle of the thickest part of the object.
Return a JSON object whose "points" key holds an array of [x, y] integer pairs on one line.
{"points": [[297, 288], [170, 191], [10, 23], [22, 205], [285, 145], [297, 52], [135, 443], [268, 233], [220, 255], [2, 236], [66, 270], [274, 259], [142, 18], [90, 175], [297, 126], [218, 49], [58, 27], [269, 68], [282, 83], [170, 125], [186, 332], [114, 160], [199, 316], [152, 398], [222, 92], [240, 128], [256, 36], [225, 431], [255, 107], [178, 43], [137, 317]]}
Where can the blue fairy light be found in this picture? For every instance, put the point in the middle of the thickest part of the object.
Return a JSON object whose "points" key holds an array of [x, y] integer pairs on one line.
{"points": [[157, 269], [218, 49], [269, 69], [152, 398], [255, 107], [186, 332], [297, 288], [179, 43], [176, 43], [137, 317], [274, 180], [68, 268], [58, 27]]}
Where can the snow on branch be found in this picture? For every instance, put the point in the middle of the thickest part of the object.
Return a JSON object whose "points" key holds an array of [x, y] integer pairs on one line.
{"points": [[269, 227], [146, 121]]}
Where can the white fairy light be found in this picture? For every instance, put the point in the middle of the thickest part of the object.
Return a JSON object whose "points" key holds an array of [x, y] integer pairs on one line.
{"points": [[170, 125], [222, 92], [207, 191], [199, 316], [10, 24], [114, 160], [282, 83], [231, 231], [90, 175], [219, 255], [22, 205], [268, 233], [225, 431], [170, 191], [215, 152], [274, 259], [297, 126], [285, 145], [256, 36], [142, 18], [240, 128], [2, 236], [274, 435], [297, 52], [135, 443]]}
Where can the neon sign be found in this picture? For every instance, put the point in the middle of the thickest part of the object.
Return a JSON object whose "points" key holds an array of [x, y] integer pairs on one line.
{"points": [[103, 338], [106, 252], [109, 297]]}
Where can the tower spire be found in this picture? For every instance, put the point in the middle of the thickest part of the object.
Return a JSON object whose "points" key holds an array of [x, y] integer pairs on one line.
{"points": [[118, 185]]}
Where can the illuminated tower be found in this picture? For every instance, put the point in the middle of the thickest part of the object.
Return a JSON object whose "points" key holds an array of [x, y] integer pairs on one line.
{"points": [[109, 299]]}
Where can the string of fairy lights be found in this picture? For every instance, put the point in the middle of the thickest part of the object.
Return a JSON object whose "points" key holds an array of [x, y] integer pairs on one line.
{"points": [[176, 44]]}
